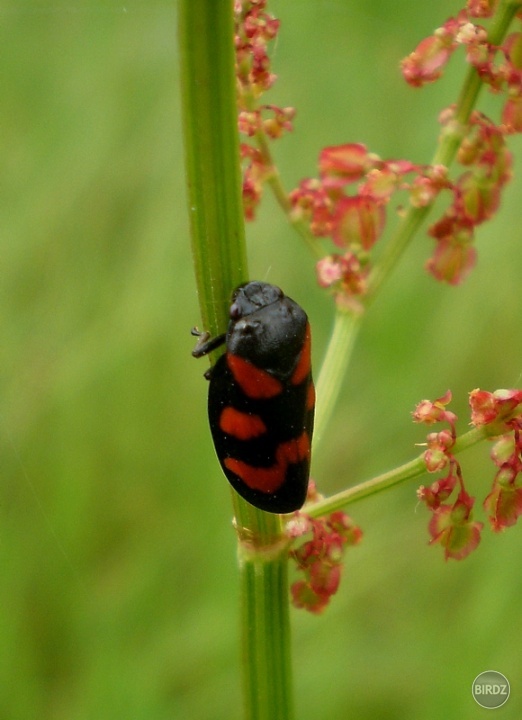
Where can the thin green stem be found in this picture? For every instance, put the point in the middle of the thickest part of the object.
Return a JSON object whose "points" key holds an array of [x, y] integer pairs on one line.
{"points": [[333, 368], [413, 469], [281, 196]]}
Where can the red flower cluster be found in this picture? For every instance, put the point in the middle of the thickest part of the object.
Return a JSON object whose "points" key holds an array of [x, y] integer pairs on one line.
{"points": [[320, 557], [426, 63], [255, 28], [354, 217], [476, 193], [512, 112], [476, 197], [501, 406], [452, 525], [503, 410], [354, 221]]}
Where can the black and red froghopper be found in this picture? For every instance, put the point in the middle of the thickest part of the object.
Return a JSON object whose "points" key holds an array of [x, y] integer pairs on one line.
{"points": [[261, 398]]}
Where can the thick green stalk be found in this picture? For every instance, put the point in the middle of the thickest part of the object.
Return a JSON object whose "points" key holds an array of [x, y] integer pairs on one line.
{"points": [[212, 155], [267, 683], [206, 35]]}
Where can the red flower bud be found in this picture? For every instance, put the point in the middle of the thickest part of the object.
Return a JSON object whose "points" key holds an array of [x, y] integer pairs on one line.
{"points": [[481, 8], [452, 527], [438, 491], [358, 221], [344, 271], [503, 504], [343, 164], [487, 408], [454, 256], [426, 62], [512, 114], [429, 412], [478, 199], [304, 597], [503, 449]]}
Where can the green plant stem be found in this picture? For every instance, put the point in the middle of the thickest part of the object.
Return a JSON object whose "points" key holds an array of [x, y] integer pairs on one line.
{"points": [[267, 672], [212, 156], [333, 368], [413, 469], [281, 195], [206, 34]]}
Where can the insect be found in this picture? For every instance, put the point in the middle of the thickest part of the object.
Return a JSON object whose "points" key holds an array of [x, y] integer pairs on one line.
{"points": [[261, 397]]}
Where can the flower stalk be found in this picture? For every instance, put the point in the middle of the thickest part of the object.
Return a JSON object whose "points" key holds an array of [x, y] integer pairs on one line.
{"points": [[408, 471], [209, 107]]}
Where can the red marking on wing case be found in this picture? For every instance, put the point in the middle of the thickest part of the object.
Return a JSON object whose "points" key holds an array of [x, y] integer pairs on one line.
{"points": [[302, 369], [255, 383], [241, 425], [269, 480], [293, 451]]}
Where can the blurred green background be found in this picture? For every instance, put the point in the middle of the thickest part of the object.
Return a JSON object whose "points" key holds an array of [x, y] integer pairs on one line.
{"points": [[118, 585]]}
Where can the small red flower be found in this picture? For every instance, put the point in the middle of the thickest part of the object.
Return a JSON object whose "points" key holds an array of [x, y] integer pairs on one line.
{"points": [[425, 188], [438, 491], [343, 164], [512, 114], [452, 527], [280, 120], [454, 255], [248, 122], [358, 221], [504, 502], [254, 175], [311, 201], [380, 184], [303, 597], [343, 272], [325, 578], [430, 412], [476, 199], [438, 454], [513, 51], [481, 8], [503, 450], [426, 63], [320, 557], [499, 406]]}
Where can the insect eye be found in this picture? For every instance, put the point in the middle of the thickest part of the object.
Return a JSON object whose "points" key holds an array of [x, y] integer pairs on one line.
{"points": [[235, 311]]}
